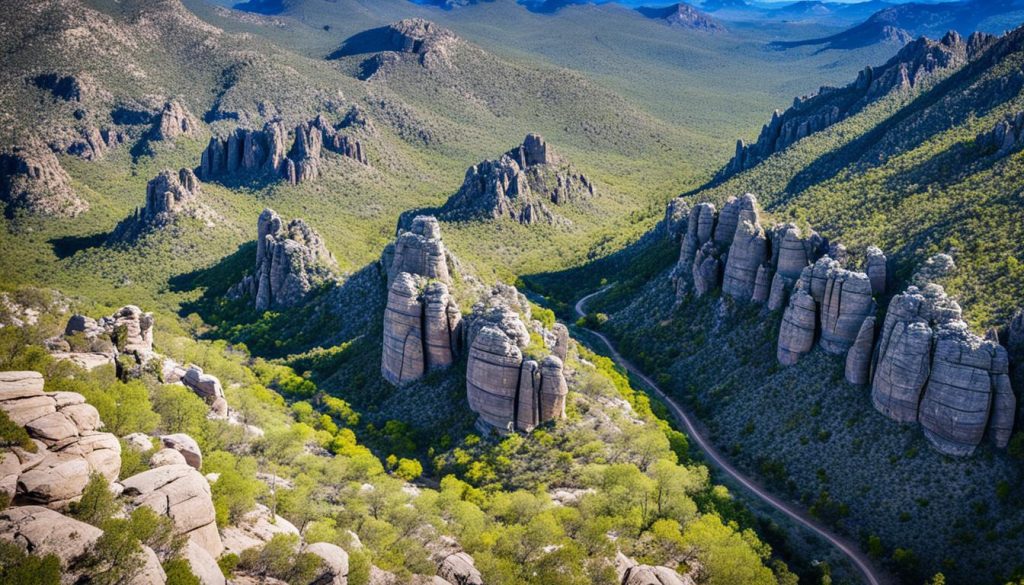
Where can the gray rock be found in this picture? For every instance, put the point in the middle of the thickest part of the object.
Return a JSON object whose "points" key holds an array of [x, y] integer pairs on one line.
{"points": [[648, 575], [749, 250], [858, 358], [796, 334], [420, 251], [778, 297], [492, 377], [876, 269], [185, 445], [729, 217], [676, 223], [902, 368], [553, 389], [403, 358], [792, 251], [32, 179], [561, 349], [170, 193], [707, 268], [459, 569], [175, 120], [845, 304], [529, 399], [335, 562], [762, 284], [206, 386], [442, 323]]}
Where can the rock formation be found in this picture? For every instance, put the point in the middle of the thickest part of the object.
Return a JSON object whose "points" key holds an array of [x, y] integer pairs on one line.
{"points": [[182, 494], [846, 303], [858, 358], [169, 195], [432, 44], [748, 252], [418, 250], [918, 61], [508, 391], [259, 151], [31, 179], [69, 445], [797, 333], [291, 261], [683, 15], [174, 121], [877, 271], [91, 343], [519, 186]]}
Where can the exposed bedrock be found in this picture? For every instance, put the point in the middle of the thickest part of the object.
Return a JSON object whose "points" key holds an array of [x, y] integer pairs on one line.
{"points": [[796, 334], [730, 217], [519, 185], [419, 250], [175, 120], [778, 297], [32, 180], [846, 303], [875, 267], [749, 250], [422, 328], [291, 261], [492, 377]]}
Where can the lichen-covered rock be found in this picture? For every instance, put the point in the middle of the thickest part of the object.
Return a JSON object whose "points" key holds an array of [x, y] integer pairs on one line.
{"points": [[291, 261], [749, 250], [182, 494], [845, 304], [31, 179], [518, 185], [796, 334], [175, 120], [875, 267], [420, 251], [492, 377], [858, 358]]}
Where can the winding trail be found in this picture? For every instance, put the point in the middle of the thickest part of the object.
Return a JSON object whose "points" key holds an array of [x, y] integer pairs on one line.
{"points": [[850, 550]]}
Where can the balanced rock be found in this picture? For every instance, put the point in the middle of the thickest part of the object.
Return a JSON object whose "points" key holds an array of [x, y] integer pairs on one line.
{"points": [[206, 386], [519, 185], [291, 261], [182, 494], [796, 335], [31, 179]]}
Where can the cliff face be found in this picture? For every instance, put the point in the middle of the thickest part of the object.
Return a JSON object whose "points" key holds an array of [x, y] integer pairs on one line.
{"points": [[925, 365], [291, 261], [259, 151], [422, 322], [916, 63], [520, 186], [31, 179]]}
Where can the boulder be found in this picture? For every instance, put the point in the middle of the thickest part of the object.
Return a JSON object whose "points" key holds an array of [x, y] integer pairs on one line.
{"points": [[42, 531], [138, 441], [206, 386], [335, 561], [459, 569], [858, 358], [167, 456], [102, 451], [796, 334], [648, 575], [54, 480], [183, 494], [187, 446], [256, 528], [19, 385], [203, 564]]}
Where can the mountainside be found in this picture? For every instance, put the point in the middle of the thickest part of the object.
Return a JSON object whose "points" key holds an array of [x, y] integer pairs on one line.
{"points": [[921, 185]]}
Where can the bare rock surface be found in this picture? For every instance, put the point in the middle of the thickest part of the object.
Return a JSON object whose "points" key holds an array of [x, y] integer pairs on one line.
{"points": [[185, 445], [256, 528], [858, 358], [175, 120], [182, 494], [335, 561], [291, 261], [747, 252], [796, 335], [419, 250], [31, 179]]}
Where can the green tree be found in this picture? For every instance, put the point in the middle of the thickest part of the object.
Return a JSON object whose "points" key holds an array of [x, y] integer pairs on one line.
{"points": [[17, 567], [97, 504], [727, 555], [180, 411]]}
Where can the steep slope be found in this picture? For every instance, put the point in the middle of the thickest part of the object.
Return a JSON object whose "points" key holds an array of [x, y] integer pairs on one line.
{"points": [[913, 173]]}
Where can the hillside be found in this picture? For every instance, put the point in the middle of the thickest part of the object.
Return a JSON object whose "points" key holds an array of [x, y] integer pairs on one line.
{"points": [[926, 169]]}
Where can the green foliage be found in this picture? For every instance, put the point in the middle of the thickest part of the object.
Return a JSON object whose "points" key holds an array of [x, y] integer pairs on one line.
{"points": [[14, 435], [278, 559], [124, 408], [181, 411], [97, 504], [179, 572], [728, 555], [17, 567], [236, 488]]}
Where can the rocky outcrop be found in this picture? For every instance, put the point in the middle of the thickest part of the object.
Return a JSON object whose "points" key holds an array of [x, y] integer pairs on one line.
{"points": [[519, 186], [1005, 137], [185, 445], [506, 390], [877, 270], [69, 445], [256, 528], [175, 120], [858, 358], [182, 494], [291, 261], [683, 15], [265, 151], [917, 62], [432, 44], [846, 303], [335, 563], [206, 386], [32, 180], [422, 321], [747, 253], [419, 251], [169, 195], [648, 575], [459, 569], [797, 333]]}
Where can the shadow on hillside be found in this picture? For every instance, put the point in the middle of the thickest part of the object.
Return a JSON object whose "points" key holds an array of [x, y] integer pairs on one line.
{"points": [[373, 40], [67, 246]]}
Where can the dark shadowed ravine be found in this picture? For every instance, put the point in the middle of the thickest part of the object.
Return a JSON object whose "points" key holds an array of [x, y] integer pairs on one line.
{"points": [[871, 575]]}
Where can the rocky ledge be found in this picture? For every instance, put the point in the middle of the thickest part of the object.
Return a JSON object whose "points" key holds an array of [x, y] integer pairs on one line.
{"points": [[258, 151], [291, 261], [31, 179], [916, 62], [520, 186]]}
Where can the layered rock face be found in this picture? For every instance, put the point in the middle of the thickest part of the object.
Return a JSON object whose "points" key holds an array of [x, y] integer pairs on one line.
{"points": [[509, 391], [70, 446], [422, 322], [418, 250], [916, 62], [291, 261], [175, 120], [519, 186], [928, 367], [31, 179], [258, 151]]}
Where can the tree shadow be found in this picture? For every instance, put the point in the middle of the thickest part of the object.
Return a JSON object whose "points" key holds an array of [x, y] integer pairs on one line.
{"points": [[67, 246], [374, 40]]}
